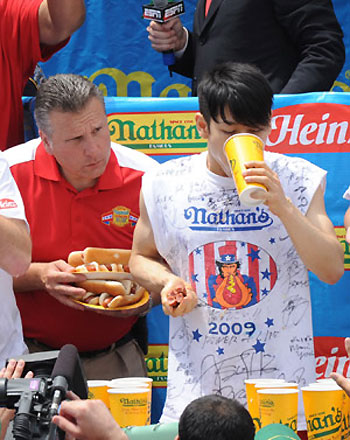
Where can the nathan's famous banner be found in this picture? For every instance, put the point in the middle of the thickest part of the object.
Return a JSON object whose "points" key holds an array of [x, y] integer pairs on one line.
{"points": [[113, 51], [315, 126]]}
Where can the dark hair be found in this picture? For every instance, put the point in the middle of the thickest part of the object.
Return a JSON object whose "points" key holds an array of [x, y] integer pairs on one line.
{"points": [[240, 88], [63, 92], [215, 417]]}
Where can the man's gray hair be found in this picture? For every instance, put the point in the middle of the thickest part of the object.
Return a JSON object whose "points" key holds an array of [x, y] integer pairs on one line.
{"points": [[63, 92]]}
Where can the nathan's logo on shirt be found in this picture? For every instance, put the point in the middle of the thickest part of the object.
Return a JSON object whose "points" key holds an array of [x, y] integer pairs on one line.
{"points": [[119, 216], [7, 204], [231, 274], [202, 219]]}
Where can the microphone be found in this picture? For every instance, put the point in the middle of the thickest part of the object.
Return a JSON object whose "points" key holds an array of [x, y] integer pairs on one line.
{"points": [[63, 376], [163, 11]]}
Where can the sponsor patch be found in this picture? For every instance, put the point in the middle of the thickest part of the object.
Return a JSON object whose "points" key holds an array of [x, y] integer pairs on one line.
{"points": [[7, 204]]}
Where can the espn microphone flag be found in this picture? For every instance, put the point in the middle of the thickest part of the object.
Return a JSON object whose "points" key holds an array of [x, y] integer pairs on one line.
{"points": [[163, 11]]}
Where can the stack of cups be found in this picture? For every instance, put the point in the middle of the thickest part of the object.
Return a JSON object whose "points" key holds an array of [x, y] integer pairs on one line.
{"points": [[130, 400], [252, 396], [325, 405], [278, 403]]}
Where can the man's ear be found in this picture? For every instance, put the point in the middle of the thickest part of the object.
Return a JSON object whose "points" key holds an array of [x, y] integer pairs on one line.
{"points": [[177, 437], [46, 142], [202, 125]]}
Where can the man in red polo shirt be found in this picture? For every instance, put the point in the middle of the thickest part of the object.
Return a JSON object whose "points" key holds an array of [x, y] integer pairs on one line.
{"points": [[71, 181], [30, 31]]}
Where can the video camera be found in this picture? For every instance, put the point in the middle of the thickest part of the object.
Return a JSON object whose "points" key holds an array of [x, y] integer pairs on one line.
{"points": [[37, 400]]}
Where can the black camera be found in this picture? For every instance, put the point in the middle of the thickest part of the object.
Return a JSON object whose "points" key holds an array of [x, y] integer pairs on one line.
{"points": [[37, 400]]}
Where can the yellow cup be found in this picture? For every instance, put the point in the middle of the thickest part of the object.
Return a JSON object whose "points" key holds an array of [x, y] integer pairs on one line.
{"points": [[98, 390], [278, 405], [131, 380], [323, 407], [130, 406], [241, 148], [252, 397]]}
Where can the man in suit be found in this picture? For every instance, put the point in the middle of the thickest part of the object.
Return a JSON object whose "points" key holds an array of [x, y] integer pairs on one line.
{"points": [[296, 44]]}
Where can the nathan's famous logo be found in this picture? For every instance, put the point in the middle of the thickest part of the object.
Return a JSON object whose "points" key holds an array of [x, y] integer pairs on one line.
{"points": [[157, 364], [119, 216], [202, 219], [341, 233], [310, 128], [233, 274], [323, 424], [157, 131]]}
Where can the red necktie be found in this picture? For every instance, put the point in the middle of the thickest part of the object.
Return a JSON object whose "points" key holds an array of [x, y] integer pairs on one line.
{"points": [[207, 6]]}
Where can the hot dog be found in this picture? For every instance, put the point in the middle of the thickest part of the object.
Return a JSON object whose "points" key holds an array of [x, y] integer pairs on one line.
{"points": [[111, 294], [107, 293], [93, 259]]}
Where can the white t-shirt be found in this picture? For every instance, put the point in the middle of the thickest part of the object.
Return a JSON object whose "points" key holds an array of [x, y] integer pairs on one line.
{"points": [[11, 335], [253, 317]]}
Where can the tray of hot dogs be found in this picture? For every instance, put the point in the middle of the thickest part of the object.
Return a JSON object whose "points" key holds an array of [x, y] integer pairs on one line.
{"points": [[109, 284]]}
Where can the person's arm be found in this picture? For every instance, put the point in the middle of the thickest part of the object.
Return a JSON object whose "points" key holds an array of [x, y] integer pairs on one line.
{"points": [[59, 19], [152, 272], [312, 234], [314, 29], [88, 420], [15, 246], [347, 224]]}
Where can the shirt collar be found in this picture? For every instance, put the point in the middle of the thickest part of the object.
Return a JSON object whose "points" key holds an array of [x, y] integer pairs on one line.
{"points": [[45, 166]]}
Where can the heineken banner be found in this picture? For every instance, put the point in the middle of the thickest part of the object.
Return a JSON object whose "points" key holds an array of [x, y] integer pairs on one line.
{"points": [[312, 125], [113, 51]]}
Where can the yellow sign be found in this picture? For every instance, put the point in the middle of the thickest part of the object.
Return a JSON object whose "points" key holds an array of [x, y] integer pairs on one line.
{"points": [[340, 231], [154, 133], [157, 365]]}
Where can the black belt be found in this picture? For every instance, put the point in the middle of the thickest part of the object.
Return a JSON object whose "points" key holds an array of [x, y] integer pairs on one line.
{"points": [[122, 341], [89, 354]]}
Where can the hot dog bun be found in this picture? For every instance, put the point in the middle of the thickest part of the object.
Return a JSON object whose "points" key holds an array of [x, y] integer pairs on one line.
{"points": [[93, 259], [113, 288], [100, 256]]}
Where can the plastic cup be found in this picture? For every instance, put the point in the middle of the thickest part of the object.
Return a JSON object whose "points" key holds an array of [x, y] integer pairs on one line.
{"points": [[241, 148], [134, 380], [252, 397], [130, 406], [291, 385], [323, 407], [278, 405], [98, 390]]}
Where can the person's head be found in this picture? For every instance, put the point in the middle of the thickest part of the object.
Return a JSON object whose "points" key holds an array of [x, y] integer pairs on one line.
{"points": [[72, 122], [215, 417], [233, 98]]}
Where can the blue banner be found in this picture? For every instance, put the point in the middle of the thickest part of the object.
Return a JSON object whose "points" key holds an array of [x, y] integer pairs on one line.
{"points": [[112, 49]]}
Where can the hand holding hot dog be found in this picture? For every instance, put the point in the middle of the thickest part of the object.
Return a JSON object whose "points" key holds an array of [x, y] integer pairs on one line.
{"points": [[178, 297], [57, 277]]}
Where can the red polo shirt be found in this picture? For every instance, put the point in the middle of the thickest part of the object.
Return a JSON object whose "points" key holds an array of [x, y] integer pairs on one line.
{"points": [[61, 220]]}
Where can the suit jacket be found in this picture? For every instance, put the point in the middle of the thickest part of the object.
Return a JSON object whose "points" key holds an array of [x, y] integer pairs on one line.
{"points": [[297, 44]]}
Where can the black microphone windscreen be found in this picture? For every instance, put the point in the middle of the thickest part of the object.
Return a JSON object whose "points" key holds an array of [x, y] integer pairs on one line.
{"points": [[160, 3], [66, 363]]}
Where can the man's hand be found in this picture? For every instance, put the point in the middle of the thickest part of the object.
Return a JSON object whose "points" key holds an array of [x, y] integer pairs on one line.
{"points": [[178, 297], [13, 370], [88, 420], [57, 278], [167, 36], [339, 378], [259, 172]]}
